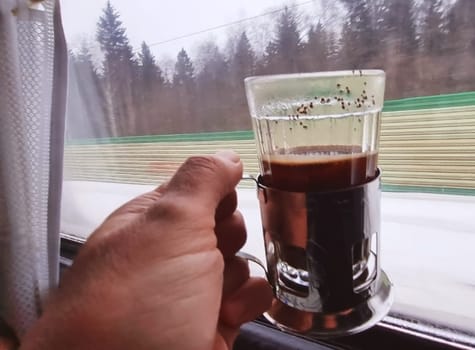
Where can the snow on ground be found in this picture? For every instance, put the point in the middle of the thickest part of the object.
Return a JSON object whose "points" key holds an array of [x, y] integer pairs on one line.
{"points": [[427, 243]]}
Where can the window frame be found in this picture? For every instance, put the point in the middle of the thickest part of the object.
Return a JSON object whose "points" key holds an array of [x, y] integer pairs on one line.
{"points": [[261, 335]]}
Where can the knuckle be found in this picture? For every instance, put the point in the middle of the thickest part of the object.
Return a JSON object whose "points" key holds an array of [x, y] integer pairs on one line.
{"points": [[237, 269], [206, 163], [217, 261], [196, 171]]}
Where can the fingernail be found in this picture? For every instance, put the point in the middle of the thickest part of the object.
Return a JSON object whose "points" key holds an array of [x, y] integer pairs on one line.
{"points": [[231, 155]]}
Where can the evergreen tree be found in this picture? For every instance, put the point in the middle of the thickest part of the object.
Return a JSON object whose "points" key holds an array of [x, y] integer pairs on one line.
{"points": [[317, 49], [397, 25], [151, 73], [359, 40], [288, 44], [184, 94], [148, 93], [184, 71], [244, 60], [244, 64], [112, 37], [268, 63], [119, 72], [214, 64], [214, 89]]}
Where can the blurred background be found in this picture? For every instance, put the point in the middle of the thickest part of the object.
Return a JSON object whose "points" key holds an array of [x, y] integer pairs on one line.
{"points": [[191, 80]]}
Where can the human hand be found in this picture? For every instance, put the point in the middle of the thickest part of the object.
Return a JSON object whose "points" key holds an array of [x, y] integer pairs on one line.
{"points": [[161, 271]]}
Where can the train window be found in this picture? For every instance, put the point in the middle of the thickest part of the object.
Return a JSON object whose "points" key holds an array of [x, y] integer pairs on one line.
{"points": [[151, 84]]}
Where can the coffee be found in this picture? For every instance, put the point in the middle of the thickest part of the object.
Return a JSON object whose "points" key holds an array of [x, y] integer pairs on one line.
{"points": [[318, 168]]}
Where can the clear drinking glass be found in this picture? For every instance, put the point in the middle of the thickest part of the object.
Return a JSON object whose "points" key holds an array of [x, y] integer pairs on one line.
{"points": [[317, 136], [317, 131]]}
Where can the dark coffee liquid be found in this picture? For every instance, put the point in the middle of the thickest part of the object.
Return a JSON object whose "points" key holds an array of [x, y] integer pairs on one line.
{"points": [[319, 168]]}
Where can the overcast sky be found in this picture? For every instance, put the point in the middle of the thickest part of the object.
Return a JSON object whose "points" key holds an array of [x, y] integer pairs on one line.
{"points": [[155, 21]]}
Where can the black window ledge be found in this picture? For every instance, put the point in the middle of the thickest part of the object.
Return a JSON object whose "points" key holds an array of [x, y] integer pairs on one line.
{"points": [[260, 335]]}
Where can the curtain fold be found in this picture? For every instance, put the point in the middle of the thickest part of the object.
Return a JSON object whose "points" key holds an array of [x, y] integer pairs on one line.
{"points": [[32, 104]]}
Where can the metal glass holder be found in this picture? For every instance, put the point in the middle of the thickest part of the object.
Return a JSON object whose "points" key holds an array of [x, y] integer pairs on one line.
{"points": [[322, 252]]}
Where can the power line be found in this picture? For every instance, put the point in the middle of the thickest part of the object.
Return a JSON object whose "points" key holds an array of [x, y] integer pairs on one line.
{"points": [[228, 24]]}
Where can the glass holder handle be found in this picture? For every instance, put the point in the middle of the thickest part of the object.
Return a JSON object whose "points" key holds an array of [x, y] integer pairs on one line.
{"points": [[255, 260], [246, 256]]}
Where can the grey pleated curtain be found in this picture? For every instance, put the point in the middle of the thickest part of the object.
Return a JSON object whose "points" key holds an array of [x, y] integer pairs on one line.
{"points": [[32, 97]]}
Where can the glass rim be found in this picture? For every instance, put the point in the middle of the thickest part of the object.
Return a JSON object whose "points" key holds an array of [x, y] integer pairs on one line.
{"points": [[323, 74]]}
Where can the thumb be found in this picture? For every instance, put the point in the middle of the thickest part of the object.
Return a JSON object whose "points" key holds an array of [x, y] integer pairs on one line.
{"points": [[206, 179]]}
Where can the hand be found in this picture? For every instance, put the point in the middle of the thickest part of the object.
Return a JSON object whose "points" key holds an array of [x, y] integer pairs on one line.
{"points": [[161, 271]]}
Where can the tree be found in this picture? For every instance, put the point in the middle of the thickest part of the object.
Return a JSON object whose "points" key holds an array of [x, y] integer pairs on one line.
{"points": [[85, 112], [184, 71], [268, 63], [359, 40], [184, 93], [149, 92], [461, 45], [431, 62], [288, 44], [396, 35], [243, 64], [317, 49], [119, 72], [112, 37], [244, 59], [433, 28], [214, 65], [150, 72], [214, 89], [397, 25]]}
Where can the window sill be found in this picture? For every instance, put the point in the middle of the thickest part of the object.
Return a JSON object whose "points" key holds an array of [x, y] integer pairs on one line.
{"points": [[261, 336], [391, 333]]}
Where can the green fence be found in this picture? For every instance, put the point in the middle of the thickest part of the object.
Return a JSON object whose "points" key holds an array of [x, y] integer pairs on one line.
{"points": [[427, 145]]}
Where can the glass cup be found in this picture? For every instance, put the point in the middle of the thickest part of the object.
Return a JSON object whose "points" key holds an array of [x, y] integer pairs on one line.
{"points": [[317, 131], [317, 140]]}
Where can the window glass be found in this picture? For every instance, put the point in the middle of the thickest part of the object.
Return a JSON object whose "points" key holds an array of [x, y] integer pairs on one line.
{"points": [[151, 84]]}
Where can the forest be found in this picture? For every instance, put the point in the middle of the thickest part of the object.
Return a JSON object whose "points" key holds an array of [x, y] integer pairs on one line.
{"points": [[426, 47]]}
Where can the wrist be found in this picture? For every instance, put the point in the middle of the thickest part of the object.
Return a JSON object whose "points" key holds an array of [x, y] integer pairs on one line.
{"points": [[59, 330], [48, 334]]}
